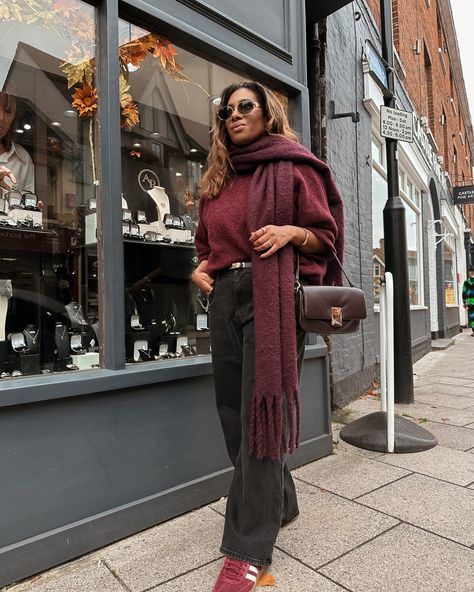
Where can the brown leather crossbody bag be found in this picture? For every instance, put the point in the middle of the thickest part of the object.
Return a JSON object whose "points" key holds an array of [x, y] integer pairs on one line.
{"points": [[329, 309]]}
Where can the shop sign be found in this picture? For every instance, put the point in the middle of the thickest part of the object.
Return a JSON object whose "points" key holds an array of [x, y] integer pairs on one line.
{"points": [[463, 195], [396, 124], [449, 296]]}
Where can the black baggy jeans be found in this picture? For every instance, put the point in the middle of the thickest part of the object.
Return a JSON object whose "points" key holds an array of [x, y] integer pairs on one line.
{"points": [[262, 495]]}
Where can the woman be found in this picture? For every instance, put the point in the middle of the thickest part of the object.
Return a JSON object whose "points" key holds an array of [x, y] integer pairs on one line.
{"points": [[468, 298], [264, 198], [16, 166]]}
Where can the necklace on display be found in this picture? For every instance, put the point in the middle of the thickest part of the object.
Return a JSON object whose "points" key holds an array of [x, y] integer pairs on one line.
{"points": [[76, 313], [61, 335], [32, 337]]}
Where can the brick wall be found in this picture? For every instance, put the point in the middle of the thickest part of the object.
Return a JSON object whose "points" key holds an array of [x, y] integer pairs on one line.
{"points": [[416, 24]]}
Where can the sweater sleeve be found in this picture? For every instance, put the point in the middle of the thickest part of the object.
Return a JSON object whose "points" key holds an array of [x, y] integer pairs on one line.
{"points": [[312, 208], [201, 238]]}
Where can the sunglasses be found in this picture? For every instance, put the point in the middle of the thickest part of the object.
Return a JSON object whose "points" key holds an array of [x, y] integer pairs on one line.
{"points": [[244, 107]]}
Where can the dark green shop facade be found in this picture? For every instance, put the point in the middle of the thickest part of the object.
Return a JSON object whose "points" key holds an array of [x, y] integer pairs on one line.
{"points": [[108, 425]]}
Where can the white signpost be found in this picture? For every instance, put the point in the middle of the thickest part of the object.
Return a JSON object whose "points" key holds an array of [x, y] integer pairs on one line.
{"points": [[396, 124]]}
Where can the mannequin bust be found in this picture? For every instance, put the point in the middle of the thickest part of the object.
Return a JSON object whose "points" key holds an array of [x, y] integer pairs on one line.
{"points": [[61, 337], [31, 333], [76, 315], [158, 195]]}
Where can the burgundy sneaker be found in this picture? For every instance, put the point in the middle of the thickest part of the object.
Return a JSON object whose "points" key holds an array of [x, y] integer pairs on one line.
{"points": [[237, 576]]}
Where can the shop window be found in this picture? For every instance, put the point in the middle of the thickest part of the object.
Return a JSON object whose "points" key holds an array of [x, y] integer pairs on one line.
{"points": [[48, 103], [168, 99], [379, 197], [411, 197], [413, 254], [450, 292]]}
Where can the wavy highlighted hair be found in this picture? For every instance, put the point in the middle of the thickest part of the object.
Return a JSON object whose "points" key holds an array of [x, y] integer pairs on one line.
{"points": [[276, 122]]}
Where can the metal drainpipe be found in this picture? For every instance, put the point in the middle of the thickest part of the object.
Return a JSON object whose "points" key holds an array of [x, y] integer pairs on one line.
{"points": [[314, 71], [314, 88]]}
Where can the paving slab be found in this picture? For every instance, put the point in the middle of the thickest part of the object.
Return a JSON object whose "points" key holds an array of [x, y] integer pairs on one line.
{"points": [[405, 559], [349, 475], [439, 462], [86, 574], [443, 399], [289, 573], [219, 506], [446, 389], [470, 426], [451, 436], [362, 407], [442, 508], [328, 526], [340, 447], [168, 550]]}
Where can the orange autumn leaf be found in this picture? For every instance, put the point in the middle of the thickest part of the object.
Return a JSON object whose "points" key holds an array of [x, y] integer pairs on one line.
{"points": [[164, 50], [266, 579], [134, 52], [129, 115], [85, 100]]}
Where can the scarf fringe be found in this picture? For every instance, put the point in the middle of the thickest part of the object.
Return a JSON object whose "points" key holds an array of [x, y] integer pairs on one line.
{"points": [[268, 437]]}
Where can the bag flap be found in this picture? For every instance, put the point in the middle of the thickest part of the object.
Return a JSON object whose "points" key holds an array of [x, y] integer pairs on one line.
{"points": [[318, 302]]}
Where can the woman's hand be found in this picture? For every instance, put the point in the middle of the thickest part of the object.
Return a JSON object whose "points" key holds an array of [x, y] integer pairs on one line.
{"points": [[271, 238], [202, 279], [4, 172]]}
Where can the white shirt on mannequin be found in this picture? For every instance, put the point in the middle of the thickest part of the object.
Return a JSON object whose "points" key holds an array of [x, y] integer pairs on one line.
{"points": [[19, 162]]}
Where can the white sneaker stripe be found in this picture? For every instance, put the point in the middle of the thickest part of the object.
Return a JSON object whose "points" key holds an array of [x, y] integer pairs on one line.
{"points": [[253, 568], [251, 577]]}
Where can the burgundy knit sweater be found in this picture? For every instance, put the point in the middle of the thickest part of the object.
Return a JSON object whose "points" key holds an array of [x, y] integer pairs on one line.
{"points": [[222, 236]]}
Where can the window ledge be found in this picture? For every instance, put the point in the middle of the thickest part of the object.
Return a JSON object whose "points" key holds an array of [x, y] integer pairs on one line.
{"points": [[34, 389]]}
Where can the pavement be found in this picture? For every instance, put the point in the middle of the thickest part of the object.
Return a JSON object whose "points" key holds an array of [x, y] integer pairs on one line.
{"points": [[369, 521]]}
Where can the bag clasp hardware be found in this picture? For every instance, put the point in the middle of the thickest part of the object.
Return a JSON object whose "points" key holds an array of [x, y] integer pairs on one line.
{"points": [[336, 316]]}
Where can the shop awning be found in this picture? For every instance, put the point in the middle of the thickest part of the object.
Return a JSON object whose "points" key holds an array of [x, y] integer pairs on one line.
{"points": [[318, 9]]}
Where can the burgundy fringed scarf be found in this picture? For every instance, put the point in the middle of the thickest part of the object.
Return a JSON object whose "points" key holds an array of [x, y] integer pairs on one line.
{"points": [[271, 201]]}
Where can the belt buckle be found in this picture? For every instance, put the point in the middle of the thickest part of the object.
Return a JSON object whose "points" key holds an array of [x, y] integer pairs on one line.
{"points": [[236, 265]]}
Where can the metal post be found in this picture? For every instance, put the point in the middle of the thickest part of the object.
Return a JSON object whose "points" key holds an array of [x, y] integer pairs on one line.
{"points": [[396, 260], [390, 363]]}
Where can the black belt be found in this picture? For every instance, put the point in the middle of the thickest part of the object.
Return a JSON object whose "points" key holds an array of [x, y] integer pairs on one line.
{"points": [[241, 265]]}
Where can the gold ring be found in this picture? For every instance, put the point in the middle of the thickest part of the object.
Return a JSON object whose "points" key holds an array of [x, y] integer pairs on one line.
{"points": [[269, 244]]}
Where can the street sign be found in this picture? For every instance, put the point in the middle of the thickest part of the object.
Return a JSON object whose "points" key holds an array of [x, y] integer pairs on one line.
{"points": [[396, 124], [463, 195], [377, 68]]}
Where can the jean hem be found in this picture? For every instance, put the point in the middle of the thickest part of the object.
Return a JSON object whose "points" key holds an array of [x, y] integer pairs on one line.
{"points": [[246, 558]]}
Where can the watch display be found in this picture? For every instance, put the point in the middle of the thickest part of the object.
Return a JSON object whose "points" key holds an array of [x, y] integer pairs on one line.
{"points": [[30, 201]]}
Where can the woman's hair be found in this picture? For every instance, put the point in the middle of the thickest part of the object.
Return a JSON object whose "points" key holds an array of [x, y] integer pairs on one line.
{"points": [[276, 123], [8, 103]]}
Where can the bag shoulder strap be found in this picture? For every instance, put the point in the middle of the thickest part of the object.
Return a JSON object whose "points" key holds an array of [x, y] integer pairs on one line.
{"points": [[333, 251]]}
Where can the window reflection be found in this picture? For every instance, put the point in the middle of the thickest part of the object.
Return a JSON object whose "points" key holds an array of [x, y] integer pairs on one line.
{"points": [[49, 306], [164, 150]]}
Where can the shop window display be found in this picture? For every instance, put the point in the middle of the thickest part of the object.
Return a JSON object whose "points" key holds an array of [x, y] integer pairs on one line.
{"points": [[48, 102], [171, 94]]}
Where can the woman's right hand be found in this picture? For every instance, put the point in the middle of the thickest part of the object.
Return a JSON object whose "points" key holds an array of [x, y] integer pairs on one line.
{"points": [[202, 279], [4, 172]]}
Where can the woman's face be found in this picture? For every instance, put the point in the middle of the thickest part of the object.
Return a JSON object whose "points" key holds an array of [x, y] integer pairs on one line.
{"points": [[6, 117], [244, 129]]}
